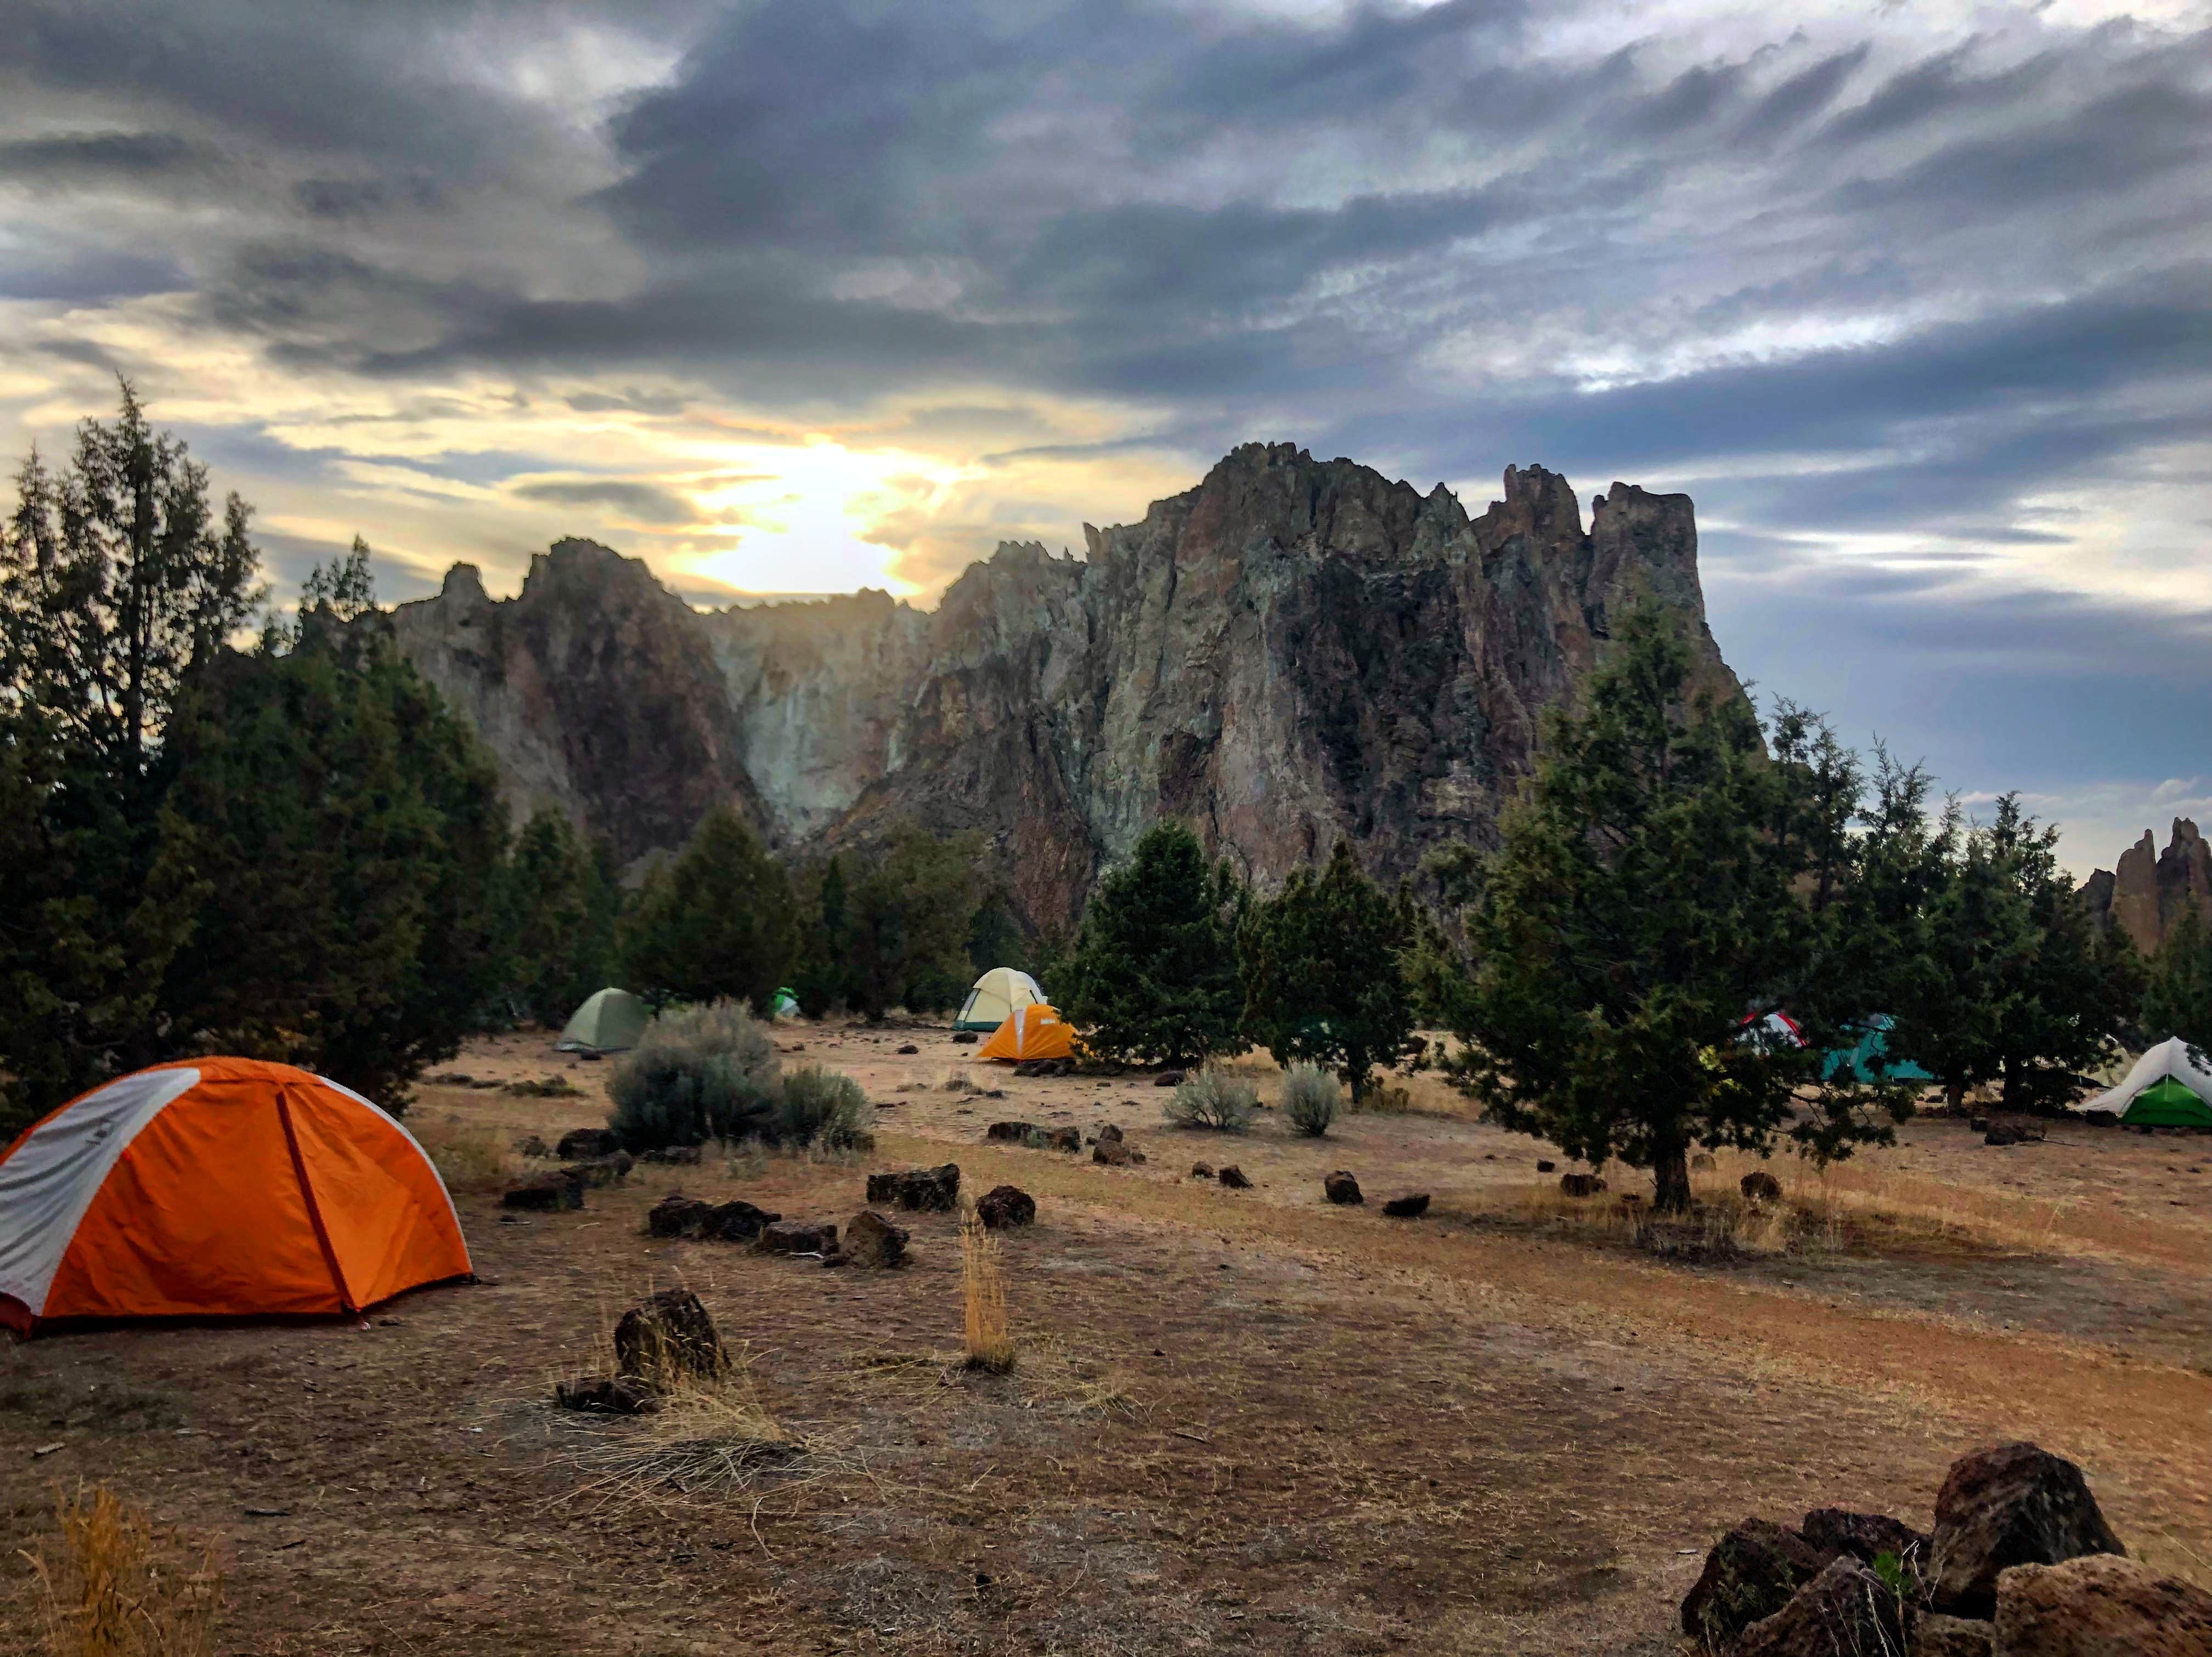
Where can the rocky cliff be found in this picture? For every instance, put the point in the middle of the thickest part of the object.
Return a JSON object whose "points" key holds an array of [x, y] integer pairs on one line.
{"points": [[2146, 893], [1292, 652]]}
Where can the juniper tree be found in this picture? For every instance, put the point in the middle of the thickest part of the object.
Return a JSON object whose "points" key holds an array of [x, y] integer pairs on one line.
{"points": [[1324, 975], [1655, 887], [1152, 977], [2177, 996], [717, 921]]}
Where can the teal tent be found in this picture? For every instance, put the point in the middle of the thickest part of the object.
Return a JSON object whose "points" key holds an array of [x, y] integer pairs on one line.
{"points": [[1866, 1059]]}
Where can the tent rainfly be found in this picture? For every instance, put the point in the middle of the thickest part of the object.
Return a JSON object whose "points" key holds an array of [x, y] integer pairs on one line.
{"points": [[2165, 1087], [1868, 1056], [218, 1187], [1031, 1032], [610, 1020], [997, 993]]}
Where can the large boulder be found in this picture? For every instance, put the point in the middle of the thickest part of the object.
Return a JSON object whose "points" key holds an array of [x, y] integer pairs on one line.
{"points": [[676, 1216], [582, 1142], [2099, 1605], [1341, 1187], [668, 1337], [735, 1222], [1845, 1611], [872, 1241], [1751, 1574], [1864, 1536], [2010, 1504], [1006, 1205]]}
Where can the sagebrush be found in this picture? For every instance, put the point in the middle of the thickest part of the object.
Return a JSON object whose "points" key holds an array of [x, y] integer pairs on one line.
{"points": [[1210, 1099], [1311, 1098], [699, 1073], [819, 1107]]}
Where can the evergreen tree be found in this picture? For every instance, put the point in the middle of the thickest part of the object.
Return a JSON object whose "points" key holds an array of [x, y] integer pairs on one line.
{"points": [[1153, 976], [825, 940], [118, 577], [350, 835], [1324, 981], [561, 945], [2178, 995], [719, 921], [909, 920], [1661, 880]]}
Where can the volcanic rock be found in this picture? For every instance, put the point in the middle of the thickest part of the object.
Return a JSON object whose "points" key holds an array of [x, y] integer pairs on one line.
{"points": [[668, 1335], [2100, 1605], [1950, 1636], [871, 1240], [2011, 1504], [1752, 1573], [1010, 1132], [1759, 1187], [545, 1193], [610, 1395], [1864, 1536], [1234, 1178], [735, 1222], [675, 1216], [581, 1142], [1845, 1611], [1294, 652], [1341, 1187], [929, 1190], [1006, 1205], [1580, 1184], [1407, 1208], [793, 1237]]}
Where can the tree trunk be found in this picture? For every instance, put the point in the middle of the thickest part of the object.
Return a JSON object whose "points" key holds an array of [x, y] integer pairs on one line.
{"points": [[1955, 1096], [1670, 1174]]}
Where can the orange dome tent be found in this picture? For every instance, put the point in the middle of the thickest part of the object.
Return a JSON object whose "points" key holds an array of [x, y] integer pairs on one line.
{"points": [[217, 1187], [1031, 1032]]}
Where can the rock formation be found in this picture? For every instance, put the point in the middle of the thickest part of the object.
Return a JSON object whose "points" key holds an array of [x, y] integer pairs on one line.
{"points": [[2146, 893], [1294, 650]]}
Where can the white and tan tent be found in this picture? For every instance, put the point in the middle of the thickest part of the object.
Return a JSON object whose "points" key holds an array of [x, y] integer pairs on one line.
{"points": [[995, 998], [610, 1020], [2165, 1087]]}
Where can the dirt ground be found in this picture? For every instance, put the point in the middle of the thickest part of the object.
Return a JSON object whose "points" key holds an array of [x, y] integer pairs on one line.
{"points": [[1241, 1421]]}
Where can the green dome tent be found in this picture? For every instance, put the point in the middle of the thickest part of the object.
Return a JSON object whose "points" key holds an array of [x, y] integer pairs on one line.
{"points": [[610, 1021], [2165, 1087]]}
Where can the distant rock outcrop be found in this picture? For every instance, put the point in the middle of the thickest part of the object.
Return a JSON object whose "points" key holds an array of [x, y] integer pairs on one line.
{"points": [[1294, 652], [2149, 890]]}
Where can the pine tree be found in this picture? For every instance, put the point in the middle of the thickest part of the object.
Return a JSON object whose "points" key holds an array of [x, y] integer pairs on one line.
{"points": [[560, 944], [2177, 994], [910, 912], [1659, 883], [1324, 981], [719, 921], [1153, 976]]}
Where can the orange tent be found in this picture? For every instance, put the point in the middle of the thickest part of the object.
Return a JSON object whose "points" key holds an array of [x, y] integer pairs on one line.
{"points": [[1031, 1032], [218, 1186]]}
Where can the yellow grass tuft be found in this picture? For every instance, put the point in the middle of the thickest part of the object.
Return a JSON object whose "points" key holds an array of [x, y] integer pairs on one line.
{"points": [[118, 1586], [467, 1158], [989, 1337]]}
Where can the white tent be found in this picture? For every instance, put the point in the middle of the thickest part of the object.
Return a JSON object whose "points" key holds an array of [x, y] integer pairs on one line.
{"points": [[997, 993], [2156, 1089]]}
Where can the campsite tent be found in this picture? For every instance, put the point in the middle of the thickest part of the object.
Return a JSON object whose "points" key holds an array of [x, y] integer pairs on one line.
{"points": [[1776, 1032], [610, 1020], [997, 993], [1868, 1056], [2165, 1087], [1031, 1032], [216, 1188], [784, 1003]]}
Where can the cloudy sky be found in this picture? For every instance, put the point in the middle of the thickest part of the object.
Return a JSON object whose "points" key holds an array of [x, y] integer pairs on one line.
{"points": [[802, 295]]}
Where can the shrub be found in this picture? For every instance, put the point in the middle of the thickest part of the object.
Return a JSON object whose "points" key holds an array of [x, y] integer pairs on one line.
{"points": [[1210, 1099], [1311, 1098], [819, 1106], [699, 1073]]}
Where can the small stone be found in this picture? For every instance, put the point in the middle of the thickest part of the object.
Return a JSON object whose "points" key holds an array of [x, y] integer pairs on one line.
{"points": [[581, 1142], [1233, 1178], [874, 1241], [1167, 1078], [610, 1395], [668, 1334], [1064, 1138], [907, 1049], [1759, 1187], [1108, 1131], [793, 1237], [1006, 1205], [1544, 1167], [1580, 1184], [1201, 1170], [1341, 1187], [1407, 1208], [964, 1038]]}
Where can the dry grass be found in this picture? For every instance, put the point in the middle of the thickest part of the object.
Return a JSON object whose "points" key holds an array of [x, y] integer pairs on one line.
{"points": [[118, 1586], [989, 1336], [467, 1158]]}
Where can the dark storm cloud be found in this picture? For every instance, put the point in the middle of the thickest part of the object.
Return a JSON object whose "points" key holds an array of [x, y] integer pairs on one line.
{"points": [[648, 503], [1801, 97], [78, 160]]}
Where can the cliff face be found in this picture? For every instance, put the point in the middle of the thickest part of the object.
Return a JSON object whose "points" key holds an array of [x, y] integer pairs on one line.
{"points": [[2146, 892], [1292, 652]]}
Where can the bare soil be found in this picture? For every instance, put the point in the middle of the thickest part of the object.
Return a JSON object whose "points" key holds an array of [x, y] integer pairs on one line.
{"points": [[1241, 1421]]}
